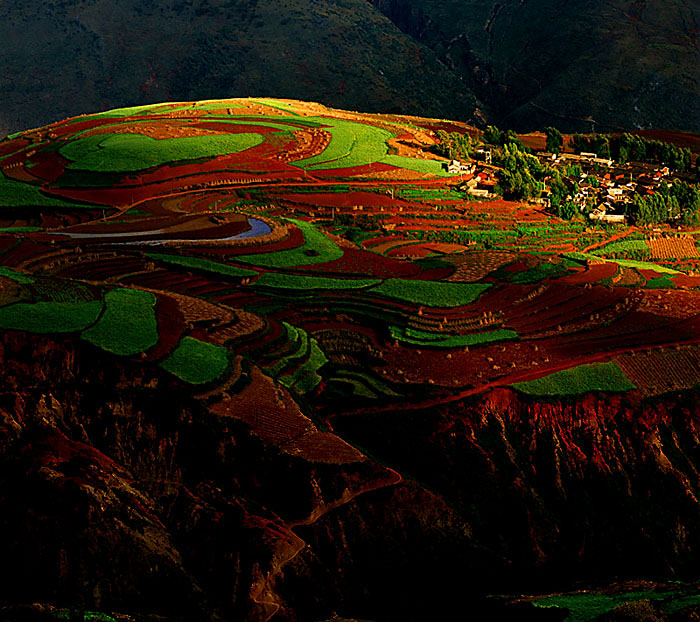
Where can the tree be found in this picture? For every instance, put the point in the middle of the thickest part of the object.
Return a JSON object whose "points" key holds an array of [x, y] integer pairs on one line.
{"points": [[555, 141], [454, 146], [557, 192]]}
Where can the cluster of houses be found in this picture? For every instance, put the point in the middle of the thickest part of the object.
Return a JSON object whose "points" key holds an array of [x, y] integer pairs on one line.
{"points": [[606, 186], [476, 179]]}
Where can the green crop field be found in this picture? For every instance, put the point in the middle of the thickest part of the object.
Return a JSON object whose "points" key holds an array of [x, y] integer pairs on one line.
{"points": [[578, 380], [128, 325], [15, 193], [437, 340], [14, 275], [123, 153], [630, 263], [586, 607], [203, 264], [305, 283], [625, 246], [429, 167], [352, 144], [50, 317], [317, 249], [660, 282], [430, 293], [306, 378], [197, 362]]}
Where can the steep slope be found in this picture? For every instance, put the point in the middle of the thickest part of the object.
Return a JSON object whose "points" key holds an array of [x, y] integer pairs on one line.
{"points": [[84, 55], [579, 65]]}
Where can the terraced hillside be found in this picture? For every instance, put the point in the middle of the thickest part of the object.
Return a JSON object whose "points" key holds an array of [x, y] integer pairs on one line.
{"points": [[263, 359]]}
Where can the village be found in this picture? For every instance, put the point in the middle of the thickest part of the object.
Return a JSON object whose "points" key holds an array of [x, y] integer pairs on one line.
{"points": [[601, 188]]}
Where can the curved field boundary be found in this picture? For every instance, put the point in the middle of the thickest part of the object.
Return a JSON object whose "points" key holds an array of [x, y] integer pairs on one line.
{"points": [[317, 248], [352, 144], [640, 265]]}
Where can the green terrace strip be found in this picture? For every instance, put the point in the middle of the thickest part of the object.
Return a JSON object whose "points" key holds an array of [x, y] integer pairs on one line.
{"points": [[625, 246], [437, 340], [430, 293], [196, 362], [274, 121], [586, 607], [316, 249], [305, 283], [128, 325], [629, 263], [306, 378], [17, 277], [154, 109], [121, 153], [363, 385], [352, 144], [20, 229], [578, 380], [660, 282], [15, 193], [275, 103], [50, 317], [203, 264], [542, 272], [429, 167], [68, 615]]}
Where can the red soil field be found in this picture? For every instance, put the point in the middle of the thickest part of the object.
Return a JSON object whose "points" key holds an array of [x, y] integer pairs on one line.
{"points": [[171, 325], [354, 171], [360, 263], [590, 274], [13, 145]]}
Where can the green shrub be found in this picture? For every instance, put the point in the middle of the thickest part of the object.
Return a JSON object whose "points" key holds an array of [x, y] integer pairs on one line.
{"points": [[128, 325], [196, 362]]}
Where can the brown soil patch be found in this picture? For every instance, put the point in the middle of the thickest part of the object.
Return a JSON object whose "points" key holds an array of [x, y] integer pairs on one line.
{"points": [[476, 265], [677, 248], [158, 129]]}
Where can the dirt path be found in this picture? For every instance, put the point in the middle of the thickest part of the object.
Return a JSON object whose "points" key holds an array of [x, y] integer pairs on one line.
{"points": [[265, 586]]}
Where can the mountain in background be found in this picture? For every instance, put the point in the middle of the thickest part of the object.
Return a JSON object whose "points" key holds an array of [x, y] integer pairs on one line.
{"points": [[77, 56], [586, 65], [580, 66]]}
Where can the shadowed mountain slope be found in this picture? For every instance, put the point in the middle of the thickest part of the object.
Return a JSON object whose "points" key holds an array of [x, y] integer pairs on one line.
{"points": [[79, 56]]}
